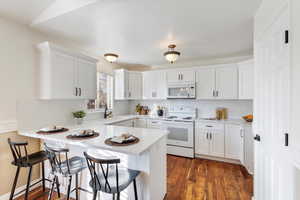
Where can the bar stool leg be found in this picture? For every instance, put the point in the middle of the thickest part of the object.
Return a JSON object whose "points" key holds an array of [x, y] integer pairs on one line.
{"points": [[76, 187], [43, 176], [28, 183], [135, 191], [113, 197], [14, 184], [95, 195], [52, 188], [69, 187], [57, 187], [118, 196]]}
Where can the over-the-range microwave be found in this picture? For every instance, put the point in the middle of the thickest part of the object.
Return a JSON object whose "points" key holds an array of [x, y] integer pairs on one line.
{"points": [[181, 91]]}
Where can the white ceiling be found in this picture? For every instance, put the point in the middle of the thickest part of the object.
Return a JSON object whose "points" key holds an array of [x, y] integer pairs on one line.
{"points": [[140, 30]]}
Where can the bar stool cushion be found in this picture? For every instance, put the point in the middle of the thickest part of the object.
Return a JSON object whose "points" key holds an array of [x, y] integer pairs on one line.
{"points": [[33, 159], [126, 176], [76, 165]]}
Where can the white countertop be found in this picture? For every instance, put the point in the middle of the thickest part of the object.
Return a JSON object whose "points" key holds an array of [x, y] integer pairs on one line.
{"points": [[129, 117], [147, 137]]}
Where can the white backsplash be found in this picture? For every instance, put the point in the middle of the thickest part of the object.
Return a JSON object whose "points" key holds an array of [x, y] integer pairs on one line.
{"points": [[205, 108]]}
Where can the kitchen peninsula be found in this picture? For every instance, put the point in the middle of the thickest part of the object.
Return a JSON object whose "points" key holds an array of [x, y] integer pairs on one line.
{"points": [[148, 155]]}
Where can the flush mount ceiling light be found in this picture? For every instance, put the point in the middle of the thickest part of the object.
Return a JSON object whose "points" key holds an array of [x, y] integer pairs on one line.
{"points": [[171, 55], [111, 57]]}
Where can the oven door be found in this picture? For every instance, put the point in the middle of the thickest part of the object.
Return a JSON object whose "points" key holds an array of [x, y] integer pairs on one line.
{"points": [[180, 133]]}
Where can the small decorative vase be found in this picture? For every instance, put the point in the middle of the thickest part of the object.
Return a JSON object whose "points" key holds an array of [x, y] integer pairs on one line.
{"points": [[79, 121]]}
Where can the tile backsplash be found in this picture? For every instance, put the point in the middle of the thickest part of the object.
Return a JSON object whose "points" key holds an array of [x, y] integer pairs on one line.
{"points": [[205, 108]]}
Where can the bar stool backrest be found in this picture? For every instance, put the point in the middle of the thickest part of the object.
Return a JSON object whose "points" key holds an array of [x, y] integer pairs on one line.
{"points": [[18, 150], [104, 164], [57, 157]]}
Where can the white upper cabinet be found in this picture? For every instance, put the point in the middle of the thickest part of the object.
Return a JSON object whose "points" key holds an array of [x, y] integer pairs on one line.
{"points": [[121, 84], [227, 82], [154, 85], [128, 85], [206, 83], [181, 76], [234, 142], [66, 75], [135, 85], [86, 82], [217, 82], [246, 79]]}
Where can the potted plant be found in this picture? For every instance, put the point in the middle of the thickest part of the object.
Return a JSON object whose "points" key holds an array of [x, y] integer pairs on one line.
{"points": [[79, 115]]}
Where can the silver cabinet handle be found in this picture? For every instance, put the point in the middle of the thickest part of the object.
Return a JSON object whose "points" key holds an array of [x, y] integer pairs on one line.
{"points": [[210, 136], [207, 136], [241, 133], [76, 91], [129, 94], [178, 76], [181, 76], [214, 93], [80, 92], [209, 126], [217, 93]]}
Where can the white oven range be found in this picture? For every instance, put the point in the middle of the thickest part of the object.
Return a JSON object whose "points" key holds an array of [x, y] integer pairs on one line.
{"points": [[180, 124]]}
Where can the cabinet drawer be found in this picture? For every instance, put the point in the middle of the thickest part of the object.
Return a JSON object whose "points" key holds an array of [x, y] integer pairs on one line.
{"points": [[210, 125]]}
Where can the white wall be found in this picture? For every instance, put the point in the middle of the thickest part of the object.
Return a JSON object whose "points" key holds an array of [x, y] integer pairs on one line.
{"points": [[236, 109]]}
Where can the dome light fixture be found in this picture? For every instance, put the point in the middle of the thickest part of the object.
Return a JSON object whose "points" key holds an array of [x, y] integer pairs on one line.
{"points": [[111, 57], [171, 55]]}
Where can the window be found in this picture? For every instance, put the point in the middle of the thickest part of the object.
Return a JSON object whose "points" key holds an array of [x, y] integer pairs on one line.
{"points": [[104, 92]]}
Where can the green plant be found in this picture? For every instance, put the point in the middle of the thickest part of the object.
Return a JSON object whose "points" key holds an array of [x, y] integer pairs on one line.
{"points": [[79, 114]]}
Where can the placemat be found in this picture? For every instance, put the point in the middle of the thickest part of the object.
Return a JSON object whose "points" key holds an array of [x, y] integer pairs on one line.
{"points": [[53, 132], [110, 143], [71, 137]]}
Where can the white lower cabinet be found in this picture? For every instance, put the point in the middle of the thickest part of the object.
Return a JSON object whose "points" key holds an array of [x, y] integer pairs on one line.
{"points": [[209, 139], [127, 123], [223, 140], [140, 123], [234, 142], [155, 124]]}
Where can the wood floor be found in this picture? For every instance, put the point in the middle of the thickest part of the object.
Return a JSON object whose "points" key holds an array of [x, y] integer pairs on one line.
{"points": [[198, 179]]}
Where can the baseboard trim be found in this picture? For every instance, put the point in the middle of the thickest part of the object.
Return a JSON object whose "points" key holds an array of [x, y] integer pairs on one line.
{"points": [[7, 195], [8, 126], [218, 159]]}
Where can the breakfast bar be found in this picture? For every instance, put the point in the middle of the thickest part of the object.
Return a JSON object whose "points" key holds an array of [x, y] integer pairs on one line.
{"points": [[148, 156]]}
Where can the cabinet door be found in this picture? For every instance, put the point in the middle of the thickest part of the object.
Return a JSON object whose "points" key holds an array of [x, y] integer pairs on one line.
{"points": [[134, 85], [173, 76], [217, 143], [140, 123], [202, 142], [248, 149], [86, 79], [121, 84], [160, 82], [147, 85], [187, 75], [155, 124], [233, 142], [227, 82], [205, 83], [62, 76], [246, 80]]}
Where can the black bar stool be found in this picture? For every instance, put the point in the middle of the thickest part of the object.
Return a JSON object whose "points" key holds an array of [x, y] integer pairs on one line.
{"points": [[23, 159], [111, 180], [62, 165]]}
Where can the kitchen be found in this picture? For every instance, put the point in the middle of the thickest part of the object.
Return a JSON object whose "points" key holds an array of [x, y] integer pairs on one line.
{"points": [[166, 99]]}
